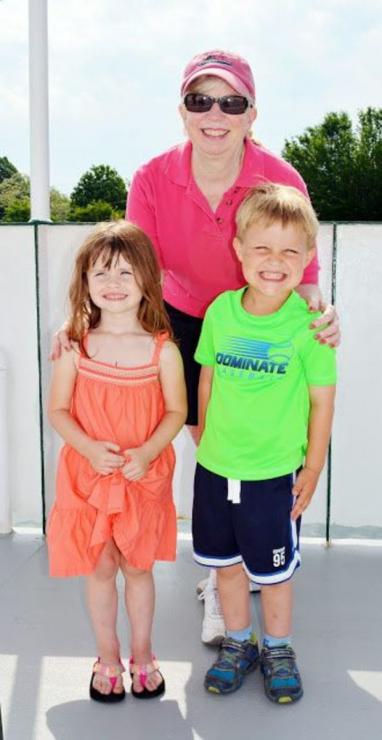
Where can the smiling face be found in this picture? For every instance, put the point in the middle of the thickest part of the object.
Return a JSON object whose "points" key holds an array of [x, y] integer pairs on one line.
{"points": [[215, 132], [115, 288], [273, 258]]}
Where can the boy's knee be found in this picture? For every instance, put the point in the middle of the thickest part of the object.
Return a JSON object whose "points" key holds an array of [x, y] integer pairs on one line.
{"points": [[230, 572]]}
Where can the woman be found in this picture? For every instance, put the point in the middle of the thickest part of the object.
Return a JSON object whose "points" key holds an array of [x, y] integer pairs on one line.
{"points": [[186, 200]]}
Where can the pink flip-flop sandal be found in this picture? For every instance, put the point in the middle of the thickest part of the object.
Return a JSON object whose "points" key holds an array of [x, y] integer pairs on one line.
{"points": [[143, 672], [110, 671]]}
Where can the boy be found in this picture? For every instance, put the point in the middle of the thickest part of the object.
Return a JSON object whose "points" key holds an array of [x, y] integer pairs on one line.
{"points": [[266, 398]]}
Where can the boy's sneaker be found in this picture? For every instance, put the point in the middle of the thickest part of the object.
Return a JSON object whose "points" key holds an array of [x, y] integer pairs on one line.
{"points": [[213, 627], [282, 680], [201, 587], [234, 661]]}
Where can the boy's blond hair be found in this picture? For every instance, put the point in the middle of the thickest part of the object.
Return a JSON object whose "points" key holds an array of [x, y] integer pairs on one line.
{"points": [[270, 203]]}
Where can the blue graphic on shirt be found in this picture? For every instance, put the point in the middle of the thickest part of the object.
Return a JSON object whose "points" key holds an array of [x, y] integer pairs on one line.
{"points": [[255, 356]]}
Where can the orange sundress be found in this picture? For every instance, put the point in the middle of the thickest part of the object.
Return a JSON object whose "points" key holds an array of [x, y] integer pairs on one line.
{"points": [[122, 405]]}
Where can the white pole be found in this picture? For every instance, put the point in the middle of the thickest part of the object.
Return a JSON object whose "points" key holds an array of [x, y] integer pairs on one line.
{"points": [[5, 494], [39, 110]]}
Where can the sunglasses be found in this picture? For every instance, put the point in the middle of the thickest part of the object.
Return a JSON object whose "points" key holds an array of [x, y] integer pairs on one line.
{"points": [[234, 105]]}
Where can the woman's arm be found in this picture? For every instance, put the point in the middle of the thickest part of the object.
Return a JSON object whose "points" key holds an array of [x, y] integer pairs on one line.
{"points": [[320, 424], [171, 376], [101, 455]]}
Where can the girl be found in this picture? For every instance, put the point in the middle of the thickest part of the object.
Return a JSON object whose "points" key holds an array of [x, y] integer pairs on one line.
{"points": [[117, 399]]}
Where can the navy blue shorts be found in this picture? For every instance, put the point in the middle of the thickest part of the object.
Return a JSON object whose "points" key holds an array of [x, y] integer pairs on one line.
{"points": [[246, 522]]}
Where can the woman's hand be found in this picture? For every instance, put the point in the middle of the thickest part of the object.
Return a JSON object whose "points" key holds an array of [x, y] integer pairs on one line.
{"points": [[331, 333], [137, 463], [60, 341], [103, 457]]}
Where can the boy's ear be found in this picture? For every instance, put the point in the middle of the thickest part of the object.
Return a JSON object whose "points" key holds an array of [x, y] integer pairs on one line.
{"points": [[237, 247]]}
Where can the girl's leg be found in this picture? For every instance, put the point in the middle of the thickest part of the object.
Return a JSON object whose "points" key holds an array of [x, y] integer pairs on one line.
{"points": [[276, 605], [140, 602], [102, 600]]}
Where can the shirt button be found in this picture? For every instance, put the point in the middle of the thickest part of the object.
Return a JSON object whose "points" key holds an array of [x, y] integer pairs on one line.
{"points": [[229, 202], [219, 220]]}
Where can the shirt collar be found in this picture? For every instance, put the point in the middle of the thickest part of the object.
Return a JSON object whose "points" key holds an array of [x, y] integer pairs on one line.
{"points": [[178, 165]]}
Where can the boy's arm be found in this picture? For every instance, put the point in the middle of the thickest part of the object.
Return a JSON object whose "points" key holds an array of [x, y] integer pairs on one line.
{"points": [[320, 424], [204, 393], [101, 455]]}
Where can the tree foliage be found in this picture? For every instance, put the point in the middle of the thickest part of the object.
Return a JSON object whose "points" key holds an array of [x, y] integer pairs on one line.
{"points": [[342, 166], [13, 190], [59, 206], [97, 211], [7, 169], [100, 183]]}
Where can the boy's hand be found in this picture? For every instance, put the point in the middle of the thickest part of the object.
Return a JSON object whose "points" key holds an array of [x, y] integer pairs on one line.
{"points": [[137, 464], [103, 457], [303, 489]]}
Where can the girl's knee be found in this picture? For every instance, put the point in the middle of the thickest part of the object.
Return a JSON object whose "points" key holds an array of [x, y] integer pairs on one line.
{"points": [[132, 573], [108, 563]]}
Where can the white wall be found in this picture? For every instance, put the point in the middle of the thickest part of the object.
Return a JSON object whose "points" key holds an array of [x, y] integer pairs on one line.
{"points": [[356, 479]]}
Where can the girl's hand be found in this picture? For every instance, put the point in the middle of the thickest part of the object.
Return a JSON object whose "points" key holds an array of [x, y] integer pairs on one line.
{"points": [[331, 334], [60, 341], [137, 464], [303, 489], [103, 457]]}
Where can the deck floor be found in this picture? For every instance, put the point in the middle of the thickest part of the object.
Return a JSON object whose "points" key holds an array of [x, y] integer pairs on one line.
{"points": [[46, 653]]}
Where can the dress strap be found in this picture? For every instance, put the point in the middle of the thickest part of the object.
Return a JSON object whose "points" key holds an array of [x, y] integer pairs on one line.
{"points": [[159, 339]]}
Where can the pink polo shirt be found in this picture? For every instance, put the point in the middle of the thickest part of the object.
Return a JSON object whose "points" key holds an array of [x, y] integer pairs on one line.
{"points": [[193, 242]]}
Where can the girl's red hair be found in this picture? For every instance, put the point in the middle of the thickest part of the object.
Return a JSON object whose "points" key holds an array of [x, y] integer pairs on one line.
{"points": [[110, 241]]}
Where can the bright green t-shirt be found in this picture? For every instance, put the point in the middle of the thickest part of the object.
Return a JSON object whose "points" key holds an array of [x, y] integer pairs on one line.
{"points": [[257, 415]]}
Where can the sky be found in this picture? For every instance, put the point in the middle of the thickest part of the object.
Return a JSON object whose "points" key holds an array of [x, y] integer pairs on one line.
{"points": [[115, 68]]}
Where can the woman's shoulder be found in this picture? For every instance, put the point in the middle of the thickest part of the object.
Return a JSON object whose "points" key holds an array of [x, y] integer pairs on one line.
{"points": [[274, 167]]}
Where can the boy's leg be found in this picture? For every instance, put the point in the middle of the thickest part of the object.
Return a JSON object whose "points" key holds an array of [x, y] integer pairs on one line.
{"points": [[282, 680], [102, 601], [268, 542], [234, 597], [239, 653], [276, 608], [140, 602]]}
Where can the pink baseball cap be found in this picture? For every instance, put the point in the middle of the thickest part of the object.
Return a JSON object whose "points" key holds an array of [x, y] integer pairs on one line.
{"points": [[229, 67]]}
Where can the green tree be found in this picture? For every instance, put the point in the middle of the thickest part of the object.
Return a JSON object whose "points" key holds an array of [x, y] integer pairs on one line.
{"points": [[13, 190], [59, 205], [7, 169], [340, 165], [97, 211], [18, 211], [100, 183]]}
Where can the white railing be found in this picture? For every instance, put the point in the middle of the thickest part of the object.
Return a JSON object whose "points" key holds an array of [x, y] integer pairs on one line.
{"points": [[35, 266]]}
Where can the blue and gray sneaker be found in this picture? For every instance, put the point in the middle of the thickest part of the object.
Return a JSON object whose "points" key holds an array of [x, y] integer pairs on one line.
{"points": [[234, 661], [282, 680]]}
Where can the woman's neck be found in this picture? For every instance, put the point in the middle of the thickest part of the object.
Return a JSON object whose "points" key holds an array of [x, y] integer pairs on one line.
{"points": [[215, 174]]}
